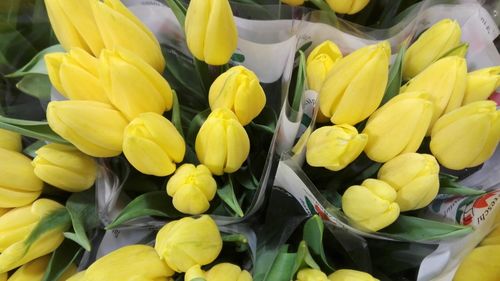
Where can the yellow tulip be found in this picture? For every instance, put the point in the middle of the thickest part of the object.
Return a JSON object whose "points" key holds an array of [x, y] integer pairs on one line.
{"points": [[3, 276], [481, 84], [494, 237], [293, 2], [466, 137], [153, 145], [211, 32], [192, 187], [35, 270], [350, 275], [76, 75], [3, 211], [80, 276], [347, 6], [415, 177], [430, 46], [371, 205], [16, 226], [399, 126], [19, 185], [334, 147], [319, 63], [10, 140], [94, 128], [309, 274], [445, 81], [219, 272], [187, 242], [222, 144], [355, 85], [238, 89], [65, 167], [120, 28], [483, 263]]}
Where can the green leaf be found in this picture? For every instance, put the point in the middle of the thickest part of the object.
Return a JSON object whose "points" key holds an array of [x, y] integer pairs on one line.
{"points": [[300, 85], [32, 148], [59, 219], [82, 210], [303, 259], [323, 6], [266, 121], [195, 125], [245, 177], [282, 268], [460, 50], [156, 203], [61, 260], [36, 85], [238, 239], [203, 74], [176, 114], [465, 191], [226, 194], [179, 11], [35, 129], [395, 76], [313, 235], [37, 64]]}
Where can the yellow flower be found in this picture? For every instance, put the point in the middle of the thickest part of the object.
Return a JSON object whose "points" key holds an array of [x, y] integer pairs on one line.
{"points": [[319, 63], [399, 126], [355, 85], [3, 276], [445, 81], [347, 6], [76, 75], [466, 137], [238, 89], [187, 242], [371, 205], [10, 140], [65, 167], [35, 270], [334, 147], [211, 32], [309, 274], [94, 128], [483, 263], [18, 184], [132, 85], [192, 187], [219, 272], [293, 2], [153, 145], [80, 276], [350, 275], [494, 237], [222, 144], [415, 177], [481, 84], [430, 46]]}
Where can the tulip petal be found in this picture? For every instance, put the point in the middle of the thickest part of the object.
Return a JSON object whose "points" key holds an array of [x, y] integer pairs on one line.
{"points": [[81, 85], [195, 27], [53, 62], [147, 157], [418, 193], [211, 146], [250, 99], [221, 35], [491, 142], [190, 200], [238, 146]]}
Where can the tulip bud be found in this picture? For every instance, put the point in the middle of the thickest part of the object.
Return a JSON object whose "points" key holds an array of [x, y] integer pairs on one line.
{"points": [[415, 177], [192, 187], [309, 274], [65, 167], [355, 85], [371, 205], [35, 270], [399, 126], [319, 63], [483, 263], [222, 144], [466, 137], [4, 276], [18, 184], [334, 147], [445, 81], [494, 237], [481, 84], [153, 145], [120, 28], [220, 272], [347, 6], [76, 75], [238, 90], [80, 276], [293, 2], [211, 32], [350, 275], [187, 242], [10, 140], [430, 46], [94, 128], [3, 211]]}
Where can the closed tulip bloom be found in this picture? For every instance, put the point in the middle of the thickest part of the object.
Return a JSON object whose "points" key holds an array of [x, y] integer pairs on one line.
{"points": [[187, 242], [309, 274], [10, 140], [19, 185], [211, 32], [319, 63], [3, 211], [65, 167], [153, 145], [238, 90], [293, 2], [80, 276], [483, 263], [350, 275], [76, 75], [415, 177], [371, 205], [481, 84], [219, 272], [95, 128], [334, 147], [192, 187], [222, 144], [120, 28], [430, 46], [445, 81], [347, 6], [467, 136], [4, 276], [494, 237], [35, 270], [399, 126], [355, 85], [132, 85]]}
